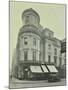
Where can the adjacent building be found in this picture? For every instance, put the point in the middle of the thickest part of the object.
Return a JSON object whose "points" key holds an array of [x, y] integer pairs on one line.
{"points": [[63, 51]]}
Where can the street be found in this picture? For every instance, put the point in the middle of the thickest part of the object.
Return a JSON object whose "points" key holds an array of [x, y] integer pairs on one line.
{"points": [[14, 83]]}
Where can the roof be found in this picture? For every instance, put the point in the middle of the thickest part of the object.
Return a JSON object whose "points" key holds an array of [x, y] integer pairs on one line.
{"points": [[30, 29], [48, 30], [31, 10]]}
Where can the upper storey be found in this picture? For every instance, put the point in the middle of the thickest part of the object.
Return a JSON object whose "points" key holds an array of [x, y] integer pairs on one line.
{"points": [[30, 17]]}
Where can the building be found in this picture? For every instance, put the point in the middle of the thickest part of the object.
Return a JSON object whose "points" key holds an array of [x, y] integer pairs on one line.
{"points": [[35, 45], [63, 51], [51, 48]]}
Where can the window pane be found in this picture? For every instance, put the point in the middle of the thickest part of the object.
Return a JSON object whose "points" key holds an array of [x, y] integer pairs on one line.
{"points": [[60, 61], [27, 20], [55, 51], [25, 55], [49, 58], [34, 55], [34, 41], [39, 55], [25, 40], [49, 46], [55, 59]]}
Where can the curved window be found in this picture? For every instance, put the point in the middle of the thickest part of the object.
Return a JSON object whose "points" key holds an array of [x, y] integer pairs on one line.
{"points": [[39, 55], [27, 20], [26, 55], [49, 58], [55, 51], [25, 41], [34, 55], [55, 60], [34, 41], [49, 46]]}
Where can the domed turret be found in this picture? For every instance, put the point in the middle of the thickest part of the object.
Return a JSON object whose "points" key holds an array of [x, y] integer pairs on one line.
{"points": [[31, 17], [29, 37]]}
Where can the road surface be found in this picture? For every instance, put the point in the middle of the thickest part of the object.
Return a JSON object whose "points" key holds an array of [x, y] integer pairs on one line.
{"points": [[14, 83]]}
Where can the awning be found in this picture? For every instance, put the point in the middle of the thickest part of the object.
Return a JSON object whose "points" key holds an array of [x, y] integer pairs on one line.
{"points": [[36, 69], [52, 68], [44, 68]]}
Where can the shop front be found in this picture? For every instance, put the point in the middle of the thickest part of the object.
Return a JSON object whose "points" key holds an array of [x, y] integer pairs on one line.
{"points": [[39, 71]]}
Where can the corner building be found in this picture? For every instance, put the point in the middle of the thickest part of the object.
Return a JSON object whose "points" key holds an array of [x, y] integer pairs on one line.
{"points": [[35, 45], [29, 37]]}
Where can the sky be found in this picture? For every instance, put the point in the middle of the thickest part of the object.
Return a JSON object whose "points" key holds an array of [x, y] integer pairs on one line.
{"points": [[52, 16]]}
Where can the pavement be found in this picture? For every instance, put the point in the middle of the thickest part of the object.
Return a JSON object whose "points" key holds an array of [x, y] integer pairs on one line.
{"points": [[15, 83]]}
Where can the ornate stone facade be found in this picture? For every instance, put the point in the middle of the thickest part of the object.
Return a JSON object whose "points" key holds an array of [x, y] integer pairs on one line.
{"points": [[36, 45]]}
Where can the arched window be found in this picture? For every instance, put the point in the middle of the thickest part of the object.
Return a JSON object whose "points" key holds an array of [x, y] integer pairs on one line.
{"points": [[27, 19], [49, 46], [25, 55], [55, 51], [55, 60], [34, 41], [25, 40], [34, 55], [39, 55], [60, 61]]}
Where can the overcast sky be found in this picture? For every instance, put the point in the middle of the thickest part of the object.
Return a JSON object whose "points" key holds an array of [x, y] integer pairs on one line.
{"points": [[52, 16]]}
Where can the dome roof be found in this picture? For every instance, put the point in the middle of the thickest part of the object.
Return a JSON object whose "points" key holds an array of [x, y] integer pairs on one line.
{"points": [[31, 10], [29, 29]]}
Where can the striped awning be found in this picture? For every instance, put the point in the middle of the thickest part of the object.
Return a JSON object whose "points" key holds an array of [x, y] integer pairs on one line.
{"points": [[52, 68], [36, 69], [44, 68]]}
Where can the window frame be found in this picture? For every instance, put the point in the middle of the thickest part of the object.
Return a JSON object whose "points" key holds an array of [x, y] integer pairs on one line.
{"points": [[34, 55], [25, 40], [49, 58], [55, 60], [55, 51], [27, 19], [25, 55], [34, 41], [49, 46]]}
